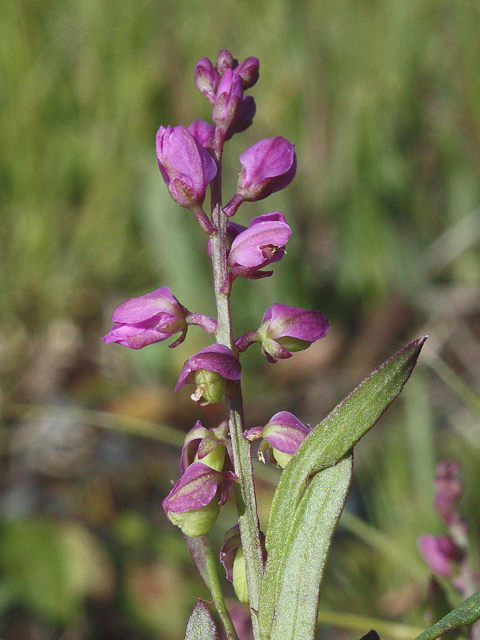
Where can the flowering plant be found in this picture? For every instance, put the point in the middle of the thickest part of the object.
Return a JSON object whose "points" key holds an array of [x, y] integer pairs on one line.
{"points": [[278, 574]]}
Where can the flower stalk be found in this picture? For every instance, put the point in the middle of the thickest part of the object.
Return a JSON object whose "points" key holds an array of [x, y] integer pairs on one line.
{"points": [[245, 490]]}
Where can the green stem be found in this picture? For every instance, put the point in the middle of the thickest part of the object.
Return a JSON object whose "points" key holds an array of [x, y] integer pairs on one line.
{"points": [[245, 490], [205, 562]]}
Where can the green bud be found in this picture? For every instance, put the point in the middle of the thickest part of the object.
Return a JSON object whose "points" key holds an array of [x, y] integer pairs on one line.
{"points": [[196, 522], [293, 344], [282, 458], [240, 577], [215, 459], [212, 384]]}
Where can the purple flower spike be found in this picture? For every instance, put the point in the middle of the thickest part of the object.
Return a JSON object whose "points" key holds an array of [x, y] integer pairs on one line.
{"points": [[268, 166], [185, 165], [440, 552], [213, 370], [206, 79], [150, 318], [194, 502], [285, 329], [228, 100], [258, 246], [282, 436]]}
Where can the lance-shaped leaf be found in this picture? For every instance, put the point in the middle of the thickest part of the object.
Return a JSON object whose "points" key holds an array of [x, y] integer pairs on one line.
{"points": [[465, 614], [306, 550], [201, 625], [323, 447]]}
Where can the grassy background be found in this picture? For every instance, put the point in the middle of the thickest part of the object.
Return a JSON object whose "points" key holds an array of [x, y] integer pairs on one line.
{"points": [[382, 100]]}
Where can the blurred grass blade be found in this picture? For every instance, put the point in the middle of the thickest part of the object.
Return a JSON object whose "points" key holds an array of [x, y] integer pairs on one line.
{"points": [[201, 625], [308, 542], [322, 448], [465, 614]]}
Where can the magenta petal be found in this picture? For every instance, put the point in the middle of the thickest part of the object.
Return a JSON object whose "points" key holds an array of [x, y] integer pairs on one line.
{"points": [[147, 306], [203, 132], [186, 166], [196, 488], [216, 358], [285, 432], [267, 159], [134, 337], [258, 245], [295, 322], [438, 552]]}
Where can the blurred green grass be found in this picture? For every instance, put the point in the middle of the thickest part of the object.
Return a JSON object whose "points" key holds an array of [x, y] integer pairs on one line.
{"points": [[382, 100]]}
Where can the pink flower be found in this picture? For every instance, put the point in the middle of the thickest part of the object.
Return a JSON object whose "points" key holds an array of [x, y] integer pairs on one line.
{"points": [[258, 246], [284, 330], [213, 370], [146, 319], [185, 165], [282, 435], [268, 166]]}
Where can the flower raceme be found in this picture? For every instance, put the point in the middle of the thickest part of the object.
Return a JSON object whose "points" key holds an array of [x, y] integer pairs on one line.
{"points": [[152, 318], [282, 435], [214, 370], [186, 166], [284, 330]]}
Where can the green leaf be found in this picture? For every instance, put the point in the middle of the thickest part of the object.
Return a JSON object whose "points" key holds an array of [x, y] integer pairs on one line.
{"points": [[330, 441], [305, 554], [201, 625], [466, 613]]}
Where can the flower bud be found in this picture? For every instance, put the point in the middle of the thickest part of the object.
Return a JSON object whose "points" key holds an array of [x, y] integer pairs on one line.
{"points": [[146, 319], [198, 369], [258, 246], [203, 132], [194, 502], [448, 490], [248, 72], [231, 556], [284, 330], [228, 100], [244, 117], [282, 436], [440, 553], [207, 446], [268, 166], [225, 61], [185, 165], [206, 79]]}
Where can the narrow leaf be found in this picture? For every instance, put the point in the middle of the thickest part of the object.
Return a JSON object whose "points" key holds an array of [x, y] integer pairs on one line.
{"points": [[322, 448], [305, 554], [466, 613], [201, 625]]}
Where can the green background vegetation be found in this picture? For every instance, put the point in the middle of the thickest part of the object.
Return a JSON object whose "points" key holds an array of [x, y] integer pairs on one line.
{"points": [[382, 100]]}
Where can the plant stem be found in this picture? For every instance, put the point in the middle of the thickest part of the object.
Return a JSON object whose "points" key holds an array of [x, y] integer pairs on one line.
{"points": [[245, 490], [205, 562]]}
